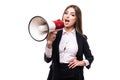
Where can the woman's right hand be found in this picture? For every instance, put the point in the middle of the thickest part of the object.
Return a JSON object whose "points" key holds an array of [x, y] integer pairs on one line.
{"points": [[50, 39]]}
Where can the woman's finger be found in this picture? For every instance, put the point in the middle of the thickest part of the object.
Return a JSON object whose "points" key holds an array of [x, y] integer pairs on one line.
{"points": [[72, 65]]}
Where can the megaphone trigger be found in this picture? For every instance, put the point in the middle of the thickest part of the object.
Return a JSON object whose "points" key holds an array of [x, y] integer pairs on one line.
{"points": [[55, 32]]}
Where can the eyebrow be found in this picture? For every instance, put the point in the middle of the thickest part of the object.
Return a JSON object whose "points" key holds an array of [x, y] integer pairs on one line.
{"points": [[70, 12]]}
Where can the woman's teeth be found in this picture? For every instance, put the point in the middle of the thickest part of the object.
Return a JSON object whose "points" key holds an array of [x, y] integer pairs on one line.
{"points": [[66, 20]]}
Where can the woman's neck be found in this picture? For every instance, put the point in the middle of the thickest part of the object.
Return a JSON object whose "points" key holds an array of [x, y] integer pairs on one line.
{"points": [[68, 29]]}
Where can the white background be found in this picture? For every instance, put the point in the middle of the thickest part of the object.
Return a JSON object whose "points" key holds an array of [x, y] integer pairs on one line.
{"points": [[21, 58]]}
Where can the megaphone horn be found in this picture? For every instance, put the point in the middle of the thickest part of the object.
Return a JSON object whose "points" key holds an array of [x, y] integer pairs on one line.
{"points": [[39, 28]]}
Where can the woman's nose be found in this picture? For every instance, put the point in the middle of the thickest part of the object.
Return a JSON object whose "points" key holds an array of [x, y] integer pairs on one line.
{"points": [[67, 15]]}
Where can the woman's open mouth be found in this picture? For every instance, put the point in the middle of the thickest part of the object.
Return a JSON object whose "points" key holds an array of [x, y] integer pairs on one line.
{"points": [[67, 21]]}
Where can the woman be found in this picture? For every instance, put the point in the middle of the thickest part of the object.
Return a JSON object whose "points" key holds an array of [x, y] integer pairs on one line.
{"points": [[67, 47]]}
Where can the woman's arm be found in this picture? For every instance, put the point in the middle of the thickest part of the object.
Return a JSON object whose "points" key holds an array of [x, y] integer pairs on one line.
{"points": [[48, 50], [87, 52]]}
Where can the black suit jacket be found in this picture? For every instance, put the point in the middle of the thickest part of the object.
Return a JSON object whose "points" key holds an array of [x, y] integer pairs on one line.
{"points": [[83, 49]]}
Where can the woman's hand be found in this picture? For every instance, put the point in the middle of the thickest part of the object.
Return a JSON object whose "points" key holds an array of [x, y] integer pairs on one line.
{"points": [[74, 63], [51, 37]]}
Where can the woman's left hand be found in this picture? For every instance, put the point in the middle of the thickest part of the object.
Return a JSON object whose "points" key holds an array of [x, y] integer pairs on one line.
{"points": [[74, 62]]}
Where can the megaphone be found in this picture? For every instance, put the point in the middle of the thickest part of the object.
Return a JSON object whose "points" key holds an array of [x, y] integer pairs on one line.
{"points": [[39, 28]]}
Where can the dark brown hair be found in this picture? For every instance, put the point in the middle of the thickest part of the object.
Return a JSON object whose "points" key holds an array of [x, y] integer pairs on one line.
{"points": [[78, 24]]}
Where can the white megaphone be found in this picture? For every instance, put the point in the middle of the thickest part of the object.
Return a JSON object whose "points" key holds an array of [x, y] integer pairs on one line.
{"points": [[39, 28]]}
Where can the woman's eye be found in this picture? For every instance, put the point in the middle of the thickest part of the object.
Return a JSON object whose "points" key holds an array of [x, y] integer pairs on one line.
{"points": [[73, 15]]}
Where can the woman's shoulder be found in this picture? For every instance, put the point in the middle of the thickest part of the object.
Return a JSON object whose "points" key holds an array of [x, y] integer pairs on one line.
{"points": [[83, 36], [78, 34], [59, 31]]}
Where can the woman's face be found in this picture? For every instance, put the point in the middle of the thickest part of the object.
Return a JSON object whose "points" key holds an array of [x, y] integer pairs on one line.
{"points": [[69, 17]]}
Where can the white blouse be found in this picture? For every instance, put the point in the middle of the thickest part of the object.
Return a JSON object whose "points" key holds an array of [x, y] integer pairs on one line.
{"points": [[68, 47]]}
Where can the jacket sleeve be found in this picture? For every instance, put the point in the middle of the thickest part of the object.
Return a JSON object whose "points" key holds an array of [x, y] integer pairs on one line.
{"points": [[87, 53], [47, 59]]}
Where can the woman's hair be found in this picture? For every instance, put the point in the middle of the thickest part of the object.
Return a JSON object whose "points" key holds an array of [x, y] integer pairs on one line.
{"points": [[78, 24]]}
